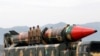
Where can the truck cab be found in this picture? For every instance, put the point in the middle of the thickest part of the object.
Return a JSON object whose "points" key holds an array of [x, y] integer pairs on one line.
{"points": [[88, 49]]}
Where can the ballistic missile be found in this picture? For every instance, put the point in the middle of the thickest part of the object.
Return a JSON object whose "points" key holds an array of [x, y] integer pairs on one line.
{"points": [[66, 34], [51, 35]]}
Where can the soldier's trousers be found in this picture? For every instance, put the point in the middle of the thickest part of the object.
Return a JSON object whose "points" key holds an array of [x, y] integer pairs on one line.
{"points": [[38, 39], [30, 41], [33, 40]]}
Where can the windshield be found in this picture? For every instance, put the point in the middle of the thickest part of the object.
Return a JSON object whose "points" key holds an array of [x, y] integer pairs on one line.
{"points": [[95, 47]]}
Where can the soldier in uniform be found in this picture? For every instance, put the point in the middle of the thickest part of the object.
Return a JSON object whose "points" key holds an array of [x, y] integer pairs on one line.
{"points": [[34, 35], [38, 34], [30, 36]]}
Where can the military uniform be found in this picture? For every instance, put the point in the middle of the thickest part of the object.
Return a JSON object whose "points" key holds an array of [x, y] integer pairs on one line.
{"points": [[38, 34], [30, 36], [34, 35]]}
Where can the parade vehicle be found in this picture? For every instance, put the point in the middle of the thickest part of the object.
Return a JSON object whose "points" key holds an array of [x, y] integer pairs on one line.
{"points": [[62, 41]]}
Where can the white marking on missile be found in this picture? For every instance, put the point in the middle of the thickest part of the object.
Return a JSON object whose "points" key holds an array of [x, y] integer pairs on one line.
{"points": [[67, 29]]}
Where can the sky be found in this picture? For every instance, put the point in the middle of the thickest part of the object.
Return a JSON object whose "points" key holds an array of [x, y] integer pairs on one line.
{"points": [[42, 12]]}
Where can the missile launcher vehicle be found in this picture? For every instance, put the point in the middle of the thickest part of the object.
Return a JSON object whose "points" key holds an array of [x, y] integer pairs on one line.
{"points": [[53, 41]]}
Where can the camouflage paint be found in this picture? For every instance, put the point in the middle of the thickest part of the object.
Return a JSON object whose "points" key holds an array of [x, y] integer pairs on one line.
{"points": [[95, 53], [37, 50]]}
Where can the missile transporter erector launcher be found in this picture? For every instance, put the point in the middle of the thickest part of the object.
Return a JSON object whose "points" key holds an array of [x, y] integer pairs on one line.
{"points": [[50, 38]]}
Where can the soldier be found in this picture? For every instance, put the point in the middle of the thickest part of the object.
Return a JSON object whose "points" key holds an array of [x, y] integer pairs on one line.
{"points": [[38, 34], [30, 35], [34, 35]]}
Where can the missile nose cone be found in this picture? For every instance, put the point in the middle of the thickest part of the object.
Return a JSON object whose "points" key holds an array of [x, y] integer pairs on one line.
{"points": [[79, 32], [95, 31]]}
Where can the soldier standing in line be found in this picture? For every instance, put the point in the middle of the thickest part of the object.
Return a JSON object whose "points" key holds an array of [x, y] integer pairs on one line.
{"points": [[34, 35], [30, 36], [38, 34]]}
